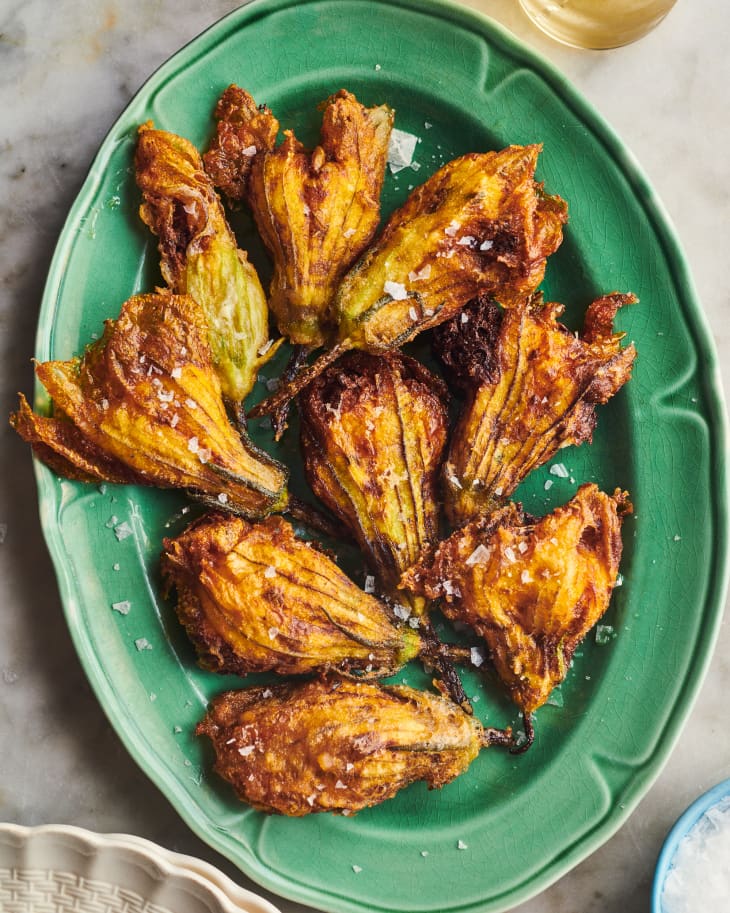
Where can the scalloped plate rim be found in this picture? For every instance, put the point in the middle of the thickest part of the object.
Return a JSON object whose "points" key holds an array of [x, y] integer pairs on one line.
{"points": [[230, 896]]}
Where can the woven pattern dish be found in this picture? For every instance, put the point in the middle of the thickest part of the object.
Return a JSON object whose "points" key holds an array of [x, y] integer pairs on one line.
{"points": [[68, 870]]}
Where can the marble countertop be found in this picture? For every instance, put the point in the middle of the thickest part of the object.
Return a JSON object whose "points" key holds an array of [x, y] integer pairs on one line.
{"points": [[66, 71]]}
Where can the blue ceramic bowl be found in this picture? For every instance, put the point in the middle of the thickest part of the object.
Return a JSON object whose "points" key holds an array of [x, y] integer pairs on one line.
{"points": [[680, 829]]}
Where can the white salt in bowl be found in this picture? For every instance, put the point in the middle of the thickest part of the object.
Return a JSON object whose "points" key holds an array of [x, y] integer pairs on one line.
{"points": [[716, 798]]}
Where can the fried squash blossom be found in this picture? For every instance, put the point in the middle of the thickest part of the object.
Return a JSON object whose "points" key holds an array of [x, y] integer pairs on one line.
{"points": [[254, 598], [357, 744], [143, 405], [373, 433], [532, 388], [200, 256], [531, 588], [316, 211]]}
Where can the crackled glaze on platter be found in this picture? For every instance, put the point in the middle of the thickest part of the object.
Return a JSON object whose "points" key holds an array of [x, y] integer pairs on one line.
{"points": [[624, 701]]}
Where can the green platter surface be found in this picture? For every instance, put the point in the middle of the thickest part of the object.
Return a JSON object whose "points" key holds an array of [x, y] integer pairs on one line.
{"points": [[461, 84]]}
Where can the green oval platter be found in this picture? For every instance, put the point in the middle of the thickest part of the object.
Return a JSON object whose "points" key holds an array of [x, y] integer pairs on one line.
{"points": [[512, 824]]}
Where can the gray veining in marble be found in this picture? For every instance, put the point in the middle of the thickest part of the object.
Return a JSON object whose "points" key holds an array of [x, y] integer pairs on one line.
{"points": [[67, 69]]}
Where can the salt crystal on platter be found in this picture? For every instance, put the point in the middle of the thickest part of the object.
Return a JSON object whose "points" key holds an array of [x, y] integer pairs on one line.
{"points": [[699, 877], [400, 150], [122, 531], [556, 698], [122, 607], [559, 470]]}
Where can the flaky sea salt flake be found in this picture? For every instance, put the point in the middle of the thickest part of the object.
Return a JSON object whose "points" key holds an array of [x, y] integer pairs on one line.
{"points": [[123, 531], [400, 150], [480, 555], [401, 611], [396, 290]]}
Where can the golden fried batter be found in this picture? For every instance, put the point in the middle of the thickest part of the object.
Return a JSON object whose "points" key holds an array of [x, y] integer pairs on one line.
{"points": [[317, 211], [144, 405], [254, 598], [200, 256], [373, 433], [337, 746], [532, 388], [531, 589]]}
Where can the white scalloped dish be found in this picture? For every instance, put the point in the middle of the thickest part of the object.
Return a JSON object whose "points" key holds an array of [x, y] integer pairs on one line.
{"points": [[57, 869]]}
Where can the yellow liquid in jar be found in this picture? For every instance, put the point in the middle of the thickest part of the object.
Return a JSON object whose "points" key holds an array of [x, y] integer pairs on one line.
{"points": [[596, 23]]}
